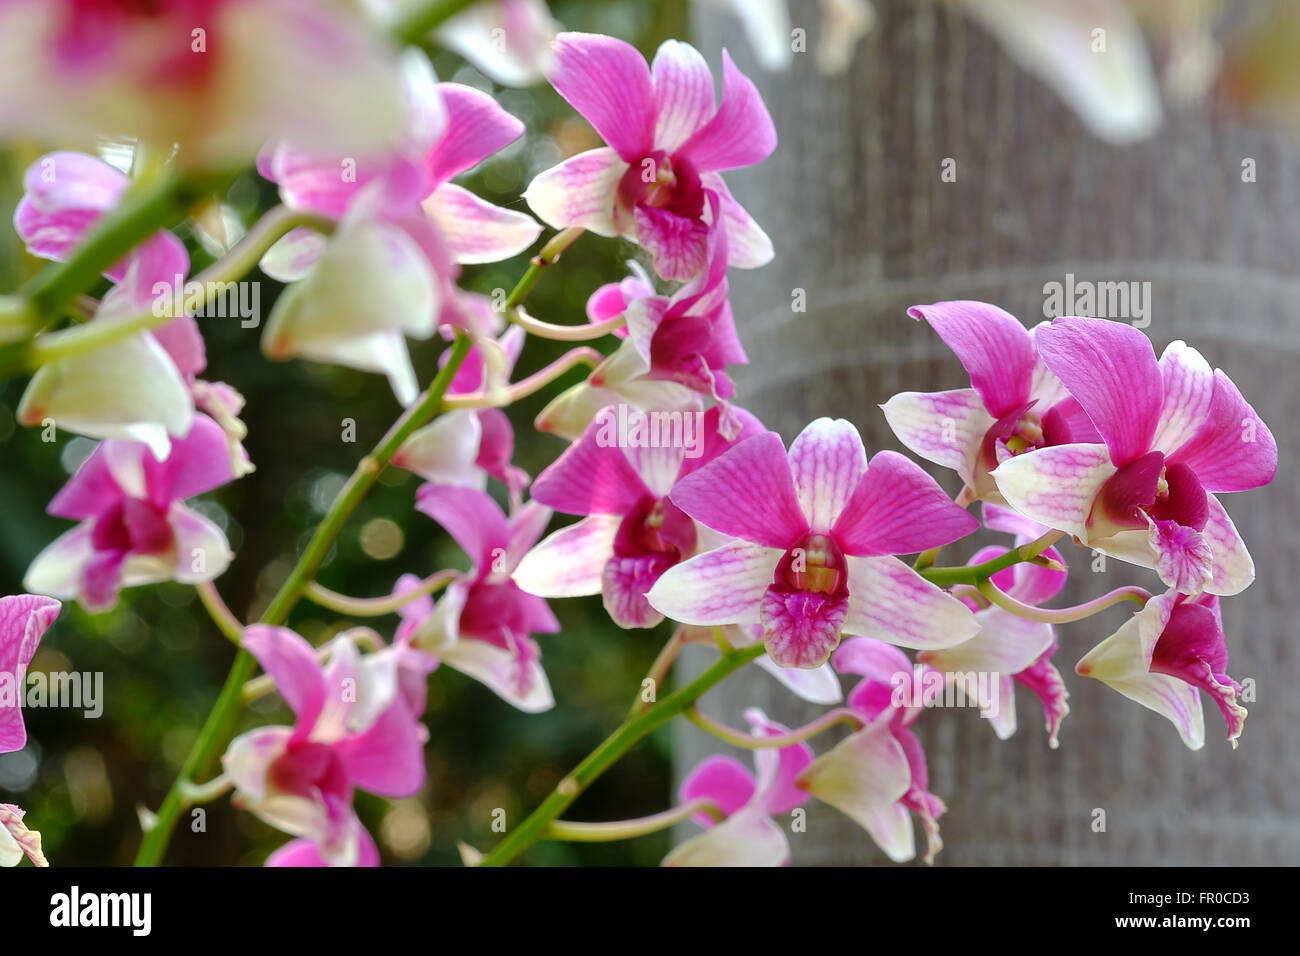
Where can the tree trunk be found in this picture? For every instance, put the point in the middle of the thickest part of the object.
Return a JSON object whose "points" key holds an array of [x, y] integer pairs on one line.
{"points": [[866, 226]]}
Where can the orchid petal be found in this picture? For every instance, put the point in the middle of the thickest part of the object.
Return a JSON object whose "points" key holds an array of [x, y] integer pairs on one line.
{"points": [[891, 602], [1056, 486], [608, 82], [723, 586], [898, 509]]}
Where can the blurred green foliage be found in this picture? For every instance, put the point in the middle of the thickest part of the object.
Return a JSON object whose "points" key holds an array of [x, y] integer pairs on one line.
{"points": [[83, 781]]}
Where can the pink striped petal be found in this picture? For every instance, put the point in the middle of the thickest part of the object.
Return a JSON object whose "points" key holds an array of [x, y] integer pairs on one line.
{"points": [[513, 674], [477, 127], [740, 133], [1188, 383], [581, 191], [388, 758], [777, 769], [748, 246], [1056, 486], [991, 344], [722, 779], [891, 602], [898, 509], [570, 562], [24, 619], [16, 840], [471, 517], [946, 428], [747, 493], [593, 476], [292, 664], [723, 586], [1232, 568], [1006, 644], [477, 231], [1110, 368], [608, 82], [1233, 450], [683, 88], [827, 460]]}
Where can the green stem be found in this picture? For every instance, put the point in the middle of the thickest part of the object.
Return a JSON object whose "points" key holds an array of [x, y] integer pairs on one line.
{"points": [[549, 255], [629, 733], [627, 829], [216, 729], [377, 606], [973, 574]]}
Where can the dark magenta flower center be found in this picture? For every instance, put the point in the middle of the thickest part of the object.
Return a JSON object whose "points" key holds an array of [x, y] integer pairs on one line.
{"points": [[814, 564]]}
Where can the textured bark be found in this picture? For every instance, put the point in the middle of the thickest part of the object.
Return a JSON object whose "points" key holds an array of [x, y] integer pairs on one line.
{"points": [[864, 224]]}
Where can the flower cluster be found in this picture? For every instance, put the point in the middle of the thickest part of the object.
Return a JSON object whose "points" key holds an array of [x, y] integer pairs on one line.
{"points": [[789, 555]]}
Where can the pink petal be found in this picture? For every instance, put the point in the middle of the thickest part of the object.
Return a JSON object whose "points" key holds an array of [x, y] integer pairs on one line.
{"points": [[898, 509], [801, 628], [1184, 560], [723, 586], [477, 231], [747, 493], [817, 685], [581, 191], [679, 244], [16, 840], [1110, 368], [891, 602], [683, 90], [593, 476], [993, 347], [747, 838], [778, 769], [569, 563], [946, 428], [198, 463], [827, 461], [388, 758], [292, 664], [1056, 486], [1233, 449], [608, 82], [512, 673], [1232, 567], [721, 779], [748, 246], [477, 127], [24, 619], [471, 517], [875, 660], [740, 133], [1188, 383]]}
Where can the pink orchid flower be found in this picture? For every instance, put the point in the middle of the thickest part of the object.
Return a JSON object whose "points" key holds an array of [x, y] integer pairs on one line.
{"points": [[633, 532], [689, 338], [1175, 432], [148, 386], [16, 841], [1014, 405], [1164, 655], [817, 531], [134, 528], [483, 625], [1016, 650], [748, 836], [352, 730], [219, 77], [667, 145], [878, 776]]}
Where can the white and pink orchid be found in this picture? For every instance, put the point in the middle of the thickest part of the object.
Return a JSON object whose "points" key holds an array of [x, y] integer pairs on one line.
{"points": [[817, 530], [667, 144], [1175, 432]]}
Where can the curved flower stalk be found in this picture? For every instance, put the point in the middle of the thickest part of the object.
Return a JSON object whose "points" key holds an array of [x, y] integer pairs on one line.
{"points": [[352, 730], [878, 775], [483, 624], [816, 532], [667, 145], [632, 532], [1164, 655], [1015, 404], [748, 836], [1013, 649], [1175, 433], [134, 528], [24, 619], [217, 77]]}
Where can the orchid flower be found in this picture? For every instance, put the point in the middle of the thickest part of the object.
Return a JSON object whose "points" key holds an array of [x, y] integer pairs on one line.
{"points": [[667, 146], [632, 532], [1012, 648], [352, 730], [1164, 655], [390, 269], [24, 619], [1175, 432], [748, 836], [817, 531], [219, 77], [147, 386], [483, 625], [133, 527], [878, 776], [1014, 405]]}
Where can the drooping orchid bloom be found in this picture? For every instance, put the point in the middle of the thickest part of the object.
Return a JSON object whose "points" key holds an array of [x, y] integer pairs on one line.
{"points": [[16, 840], [1164, 655], [632, 532], [748, 836], [217, 77], [353, 730], [1014, 405], [667, 146], [878, 776], [1016, 650], [817, 531], [134, 528], [390, 270], [483, 625], [1175, 433]]}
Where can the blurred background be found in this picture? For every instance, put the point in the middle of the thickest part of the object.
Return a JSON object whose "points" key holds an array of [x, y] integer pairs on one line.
{"points": [[1128, 165]]}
